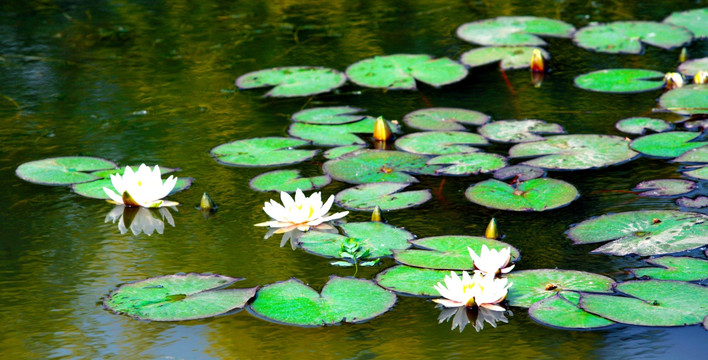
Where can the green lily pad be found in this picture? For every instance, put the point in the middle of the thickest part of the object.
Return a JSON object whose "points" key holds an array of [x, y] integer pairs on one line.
{"points": [[62, 170], [522, 172], [106, 174], [411, 280], [448, 252], [94, 189], [178, 297], [652, 303], [701, 173], [385, 195], [693, 20], [369, 166], [447, 119], [621, 80], [379, 238], [697, 203], [341, 151], [468, 164], [674, 268], [639, 125], [517, 131], [511, 57], [667, 145], [645, 233], [288, 181], [440, 142], [337, 135], [342, 300], [687, 100], [575, 152], [401, 71], [691, 67], [699, 155], [561, 311], [331, 115], [665, 187], [533, 195], [530, 286], [267, 151], [626, 37], [513, 31], [293, 81]]}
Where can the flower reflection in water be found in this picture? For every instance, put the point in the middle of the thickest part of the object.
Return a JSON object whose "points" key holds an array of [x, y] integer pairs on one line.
{"points": [[141, 219], [461, 316]]}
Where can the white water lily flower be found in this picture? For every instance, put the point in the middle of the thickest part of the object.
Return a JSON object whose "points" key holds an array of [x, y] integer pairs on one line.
{"points": [[484, 291], [490, 291], [300, 213], [492, 261], [141, 188]]}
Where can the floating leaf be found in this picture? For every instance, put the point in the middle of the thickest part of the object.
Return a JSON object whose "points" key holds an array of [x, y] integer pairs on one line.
{"points": [[293, 81], [106, 174], [530, 286], [697, 203], [511, 57], [62, 170], [532, 195], [665, 187], [377, 237], [268, 151], [328, 115], [342, 300], [575, 152], [385, 195], [369, 166], [401, 71], [674, 268], [627, 36], [448, 252], [341, 151], [288, 181], [337, 135], [689, 100], [621, 80], [667, 145], [467, 164], [699, 155], [645, 233], [517, 131], [652, 303], [178, 297], [94, 189], [447, 119], [694, 20], [440, 142], [513, 31], [524, 172], [700, 173], [691, 67], [561, 311], [639, 125], [411, 281]]}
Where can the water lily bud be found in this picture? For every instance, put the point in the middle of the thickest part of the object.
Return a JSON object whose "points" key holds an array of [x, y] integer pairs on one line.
{"points": [[492, 232], [537, 63], [701, 77], [684, 55], [382, 131], [673, 80], [207, 204], [376, 214]]}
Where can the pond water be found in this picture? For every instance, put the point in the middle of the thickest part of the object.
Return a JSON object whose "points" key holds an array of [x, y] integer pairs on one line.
{"points": [[152, 82]]}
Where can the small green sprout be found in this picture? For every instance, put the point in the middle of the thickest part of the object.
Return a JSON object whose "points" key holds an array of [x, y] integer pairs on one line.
{"points": [[352, 254]]}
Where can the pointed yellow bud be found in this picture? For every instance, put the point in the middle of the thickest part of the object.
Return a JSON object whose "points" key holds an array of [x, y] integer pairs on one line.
{"points": [[683, 56], [537, 63], [207, 204], [382, 131], [701, 77], [376, 214], [673, 80], [492, 232]]}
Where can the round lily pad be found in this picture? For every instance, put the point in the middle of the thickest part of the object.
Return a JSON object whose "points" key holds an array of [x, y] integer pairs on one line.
{"points": [[667, 145], [449, 252], [517, 131], [694, 20], [533, 195], [369, 166], [379, 238], [440, 142], [411, 280], [627, 36], [561, 311], [511, 57], [530, 286], [681, 268], [293, 81], [268, 151], [691, 67], [400, 71], [342, 150], [468, 164], [575, 152], [665, 187], [639, 125], [288, 181], [645, 233], [688, 100], [342, 300], [178, 297], [447, 119], [385, 195], [651, 303], [62, 170], [523, 172], [621, 80], [337, 135], [94, 189], [513, 31], [328, 115]]}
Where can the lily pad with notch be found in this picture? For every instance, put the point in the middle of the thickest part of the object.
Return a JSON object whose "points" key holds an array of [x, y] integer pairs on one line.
{"points": [[331, 115], [402, 70], [621, 80], [532, 195], [509, 57], [293, 81], [665, 187], [693, 20], [679, 268], [288, 181], [341, 151], [518, 131], [448, 252], [377, 237], [626, 37], [63, 170], [687, 100], [639, 125], [700, 173], [370, 166], [468, 163], [411, 280], [337, 135], [445, 119], [513, 31], [561, 311], [667, 145], [530, 286], [440, 142], [386, 195], [267, 151]]}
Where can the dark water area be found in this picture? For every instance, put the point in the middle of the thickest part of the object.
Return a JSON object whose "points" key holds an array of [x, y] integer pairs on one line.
{"points": [[153, 82]]}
